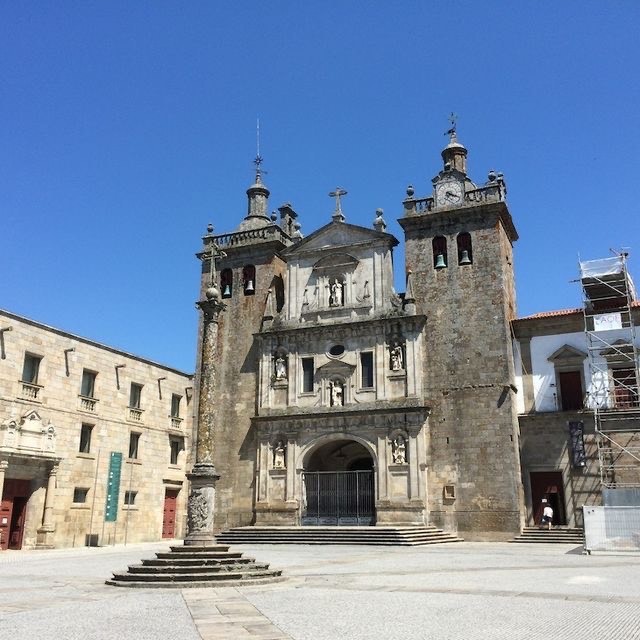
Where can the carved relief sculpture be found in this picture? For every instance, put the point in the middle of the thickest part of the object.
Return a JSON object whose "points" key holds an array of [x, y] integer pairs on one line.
{"points": [[197, 511], [397, 360], [279, 455], [280, 368], [337, 393], [399, 450], [336, 297]]}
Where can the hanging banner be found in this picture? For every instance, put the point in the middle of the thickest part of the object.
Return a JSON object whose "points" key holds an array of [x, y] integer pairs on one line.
{"points": [[576, 438], [113, 487]]}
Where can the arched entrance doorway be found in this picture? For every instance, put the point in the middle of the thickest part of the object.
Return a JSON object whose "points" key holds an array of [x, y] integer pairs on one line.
{"points": [[338, 485]]}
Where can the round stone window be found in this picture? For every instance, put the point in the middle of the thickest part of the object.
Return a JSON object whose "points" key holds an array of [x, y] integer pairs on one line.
{"points": [[336, 350]]}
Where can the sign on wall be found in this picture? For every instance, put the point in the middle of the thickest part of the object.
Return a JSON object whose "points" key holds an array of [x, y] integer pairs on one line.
{"points": [[113, 487]]}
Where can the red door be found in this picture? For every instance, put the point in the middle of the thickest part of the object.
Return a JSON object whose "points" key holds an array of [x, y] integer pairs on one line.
{"points": [[548, 485], [169, 516], [571, 390], [12, 513], [625, 388]]}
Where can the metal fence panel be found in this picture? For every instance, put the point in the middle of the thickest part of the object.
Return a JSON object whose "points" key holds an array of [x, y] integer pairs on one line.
{"points": [[612, 529]]}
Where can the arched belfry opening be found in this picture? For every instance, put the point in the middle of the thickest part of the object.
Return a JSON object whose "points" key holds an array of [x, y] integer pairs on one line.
{"points": [[338, 485]]}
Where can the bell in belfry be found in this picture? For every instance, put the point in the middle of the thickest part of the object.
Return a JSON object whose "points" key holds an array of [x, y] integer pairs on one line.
{"points": [[227, 291], [249, 287], [464, 257], [440, 262]]}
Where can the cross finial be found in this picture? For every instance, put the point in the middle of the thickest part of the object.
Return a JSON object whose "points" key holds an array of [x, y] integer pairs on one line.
{"points": [[453, 119], [337, 194]]}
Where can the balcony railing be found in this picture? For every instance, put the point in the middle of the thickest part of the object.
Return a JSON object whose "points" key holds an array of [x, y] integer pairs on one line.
{"points": [[176, 422], [88, 404], [31, 391], [135, 414]]}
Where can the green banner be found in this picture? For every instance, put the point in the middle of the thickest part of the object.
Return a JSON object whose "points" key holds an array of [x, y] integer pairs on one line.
{"points": [[113, 487]]}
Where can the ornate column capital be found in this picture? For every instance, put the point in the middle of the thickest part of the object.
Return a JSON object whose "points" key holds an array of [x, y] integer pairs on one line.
{"points": [[211, 307]]}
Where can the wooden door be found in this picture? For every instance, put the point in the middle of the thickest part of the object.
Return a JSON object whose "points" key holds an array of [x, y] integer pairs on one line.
{"points": [[6, 507], [13, 508], [570, 390], [169, 515], [548, 485]]}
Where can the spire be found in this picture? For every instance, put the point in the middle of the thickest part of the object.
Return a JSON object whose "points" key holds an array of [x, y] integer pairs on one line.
{"points": [[258, 201], [454, 154]]}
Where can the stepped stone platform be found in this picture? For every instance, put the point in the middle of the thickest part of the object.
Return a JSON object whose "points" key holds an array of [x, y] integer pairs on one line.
{"points": [[565, 535], [192, 566], [386, 536]]}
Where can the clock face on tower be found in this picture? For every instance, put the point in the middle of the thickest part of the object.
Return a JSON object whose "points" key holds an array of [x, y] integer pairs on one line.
{"points": [[449, 194]]}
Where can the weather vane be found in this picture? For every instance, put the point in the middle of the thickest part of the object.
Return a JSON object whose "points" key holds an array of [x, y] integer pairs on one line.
{"points": [[258, 159], [453, 119]]}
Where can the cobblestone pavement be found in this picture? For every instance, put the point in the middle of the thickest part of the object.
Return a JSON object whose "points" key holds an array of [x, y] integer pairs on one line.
{"points": [[459, 591]]}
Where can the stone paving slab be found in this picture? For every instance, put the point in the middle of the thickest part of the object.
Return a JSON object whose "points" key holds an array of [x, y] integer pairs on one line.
{"points": [[470, 591]]}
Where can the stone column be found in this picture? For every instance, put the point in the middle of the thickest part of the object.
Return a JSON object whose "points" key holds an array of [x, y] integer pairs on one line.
{"points": [[203, 476], [3, 468], [44, 539]]}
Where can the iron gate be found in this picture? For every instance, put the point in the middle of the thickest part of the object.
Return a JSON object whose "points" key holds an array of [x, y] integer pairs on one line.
{"points": [[338, 498]]}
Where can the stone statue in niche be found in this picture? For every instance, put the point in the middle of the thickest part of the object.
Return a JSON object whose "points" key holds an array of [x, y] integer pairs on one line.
{"points": [[337, 393], [280, 367], [278, 455], [397, 359], [399, 450], [336, 294]]}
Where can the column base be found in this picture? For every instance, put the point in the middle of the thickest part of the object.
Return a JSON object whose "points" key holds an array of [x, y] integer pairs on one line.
{"points": [[200, 506], [44, 538]]}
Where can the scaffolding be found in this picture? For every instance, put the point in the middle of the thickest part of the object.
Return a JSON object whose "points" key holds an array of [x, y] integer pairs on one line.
{"points": [[612, 394]]}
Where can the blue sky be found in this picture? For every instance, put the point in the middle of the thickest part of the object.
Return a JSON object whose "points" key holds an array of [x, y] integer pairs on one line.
{"points": [[125, 127]]}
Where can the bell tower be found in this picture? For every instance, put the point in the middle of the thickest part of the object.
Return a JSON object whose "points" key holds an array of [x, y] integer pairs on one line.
{"points": [[250, 274], [459, 248]]}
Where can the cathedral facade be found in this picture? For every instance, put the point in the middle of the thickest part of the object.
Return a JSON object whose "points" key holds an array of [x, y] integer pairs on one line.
{"points": [[342, 402]]}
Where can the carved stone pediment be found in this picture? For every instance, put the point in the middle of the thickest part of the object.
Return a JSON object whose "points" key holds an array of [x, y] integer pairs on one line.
{"points": [[333, 368], [567, 352], [29, 435]]}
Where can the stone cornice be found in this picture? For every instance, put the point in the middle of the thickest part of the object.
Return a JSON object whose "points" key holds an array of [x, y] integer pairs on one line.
{"points": [[347, 328]]}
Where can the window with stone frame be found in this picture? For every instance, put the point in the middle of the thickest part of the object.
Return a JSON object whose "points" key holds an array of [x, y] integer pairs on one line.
{"points": [[175, 405], [135, 396], [439, 246], [134, 445], [88, 384], [176, 446], [307, 375], [85, 438], [31, 368], [568, 364], [625, 387], [130, 498], [80, 495], [366, 370]]}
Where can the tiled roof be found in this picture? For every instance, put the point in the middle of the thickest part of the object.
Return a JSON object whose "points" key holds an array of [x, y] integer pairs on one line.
{"points": [[563, 312]]}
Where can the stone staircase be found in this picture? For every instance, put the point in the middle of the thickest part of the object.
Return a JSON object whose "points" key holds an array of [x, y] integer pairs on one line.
{"points": [[192, 566], [563, 535], [388, 536]]}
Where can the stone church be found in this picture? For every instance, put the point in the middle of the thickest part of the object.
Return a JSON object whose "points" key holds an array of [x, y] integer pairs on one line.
{"points": [[340, 401]]}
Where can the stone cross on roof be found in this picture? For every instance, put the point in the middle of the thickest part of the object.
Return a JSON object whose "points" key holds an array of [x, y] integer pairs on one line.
{"points": [[337, 194]]}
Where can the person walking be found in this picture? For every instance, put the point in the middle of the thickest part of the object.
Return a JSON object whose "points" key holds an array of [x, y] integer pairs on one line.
{"points": [[547, 514]]}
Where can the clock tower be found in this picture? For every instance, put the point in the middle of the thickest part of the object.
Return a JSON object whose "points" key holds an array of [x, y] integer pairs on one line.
{"points": [[459, 249]]}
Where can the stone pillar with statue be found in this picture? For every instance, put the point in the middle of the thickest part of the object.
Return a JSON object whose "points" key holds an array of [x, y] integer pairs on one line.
{"points": [[203, 476]]}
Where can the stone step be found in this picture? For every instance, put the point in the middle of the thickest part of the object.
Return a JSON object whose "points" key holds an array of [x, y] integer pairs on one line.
{"points": [[196, 584], [180, 570], [384, 536], [563, 535], [222, 577], [186, 562], [196, 567]]}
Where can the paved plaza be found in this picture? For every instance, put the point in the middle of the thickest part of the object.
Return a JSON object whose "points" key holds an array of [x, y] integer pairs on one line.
{"points": [[461, 591]]}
